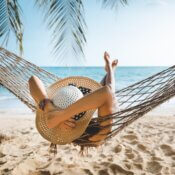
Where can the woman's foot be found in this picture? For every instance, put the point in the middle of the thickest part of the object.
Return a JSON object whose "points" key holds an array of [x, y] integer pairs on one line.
{"points": [[109, 62], [114, 64]]}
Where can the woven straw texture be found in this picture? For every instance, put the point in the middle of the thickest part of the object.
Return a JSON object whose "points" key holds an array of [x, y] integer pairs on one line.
{"points": [[59, 135]]}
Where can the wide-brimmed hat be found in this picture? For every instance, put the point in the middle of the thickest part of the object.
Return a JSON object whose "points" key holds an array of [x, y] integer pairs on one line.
{"points": [[63, 93]]}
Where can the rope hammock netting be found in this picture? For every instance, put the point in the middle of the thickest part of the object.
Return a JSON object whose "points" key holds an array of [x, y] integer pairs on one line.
{"points": [[134, 101]]}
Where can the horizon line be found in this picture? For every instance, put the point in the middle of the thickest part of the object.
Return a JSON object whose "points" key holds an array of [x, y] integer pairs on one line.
{"points": [[103, 66]]}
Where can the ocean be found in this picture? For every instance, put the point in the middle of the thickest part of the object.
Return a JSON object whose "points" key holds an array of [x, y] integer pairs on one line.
{"points": [[125, 76]]}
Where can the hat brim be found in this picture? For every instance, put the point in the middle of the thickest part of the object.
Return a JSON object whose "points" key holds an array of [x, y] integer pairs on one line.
{"points": [[58, 135]]}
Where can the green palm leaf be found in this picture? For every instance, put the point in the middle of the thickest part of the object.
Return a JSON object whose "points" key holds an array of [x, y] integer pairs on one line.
{"points": [[65, 18], [42, 3], [10, 21], [113, 4]]}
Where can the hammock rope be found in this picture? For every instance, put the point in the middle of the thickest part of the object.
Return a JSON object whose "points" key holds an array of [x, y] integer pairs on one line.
{"points": [[134, 101]]}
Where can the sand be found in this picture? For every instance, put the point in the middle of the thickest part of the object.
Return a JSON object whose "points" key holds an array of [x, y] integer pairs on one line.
{"points": [[145, 147]]}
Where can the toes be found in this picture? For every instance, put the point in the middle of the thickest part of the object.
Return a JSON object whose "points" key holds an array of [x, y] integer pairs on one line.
{"points": [[114, 63], [106, 55]]}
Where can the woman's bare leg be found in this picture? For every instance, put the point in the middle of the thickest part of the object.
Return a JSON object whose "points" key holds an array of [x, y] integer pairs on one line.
{"points": [[104, 81], [91, 101], [108, 80], [109, 77]]}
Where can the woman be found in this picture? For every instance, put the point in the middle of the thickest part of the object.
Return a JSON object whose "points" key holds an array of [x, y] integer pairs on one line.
{"points": [[103, 99]]}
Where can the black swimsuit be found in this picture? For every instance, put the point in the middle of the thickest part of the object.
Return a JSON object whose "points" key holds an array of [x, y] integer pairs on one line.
{"points": [[92, 129]]}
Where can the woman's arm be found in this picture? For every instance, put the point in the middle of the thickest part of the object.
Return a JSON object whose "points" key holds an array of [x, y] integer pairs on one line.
{"points": [[37, 89], [38, 92], [91, 101]]}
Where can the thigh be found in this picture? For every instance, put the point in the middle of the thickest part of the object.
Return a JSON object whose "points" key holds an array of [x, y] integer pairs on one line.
{"points": [[110, 107]]}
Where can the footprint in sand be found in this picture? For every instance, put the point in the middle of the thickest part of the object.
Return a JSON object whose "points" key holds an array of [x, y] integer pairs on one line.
{"points": [[25, 132], [128, 165], [41, 173], [118, 149], [167, 150], [154, 167], [130, 137], [3, 138], [154, 158], [142, 148], [128, 150], [105, 164], [114, 169], [59, 159], [23, 146], [130, 132], [2, 162], [138, 158], [118, 169], [130, 155], [134, 142], [88, 172], [5, 171], [2, 155], [103, 172], [171, 139], [138, 166], [45, 143], [110, 159]]}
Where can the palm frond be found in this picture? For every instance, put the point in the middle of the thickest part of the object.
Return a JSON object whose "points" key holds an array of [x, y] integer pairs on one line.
{"points": [[10, 21], [42, 3], [65, 18], [113, 4]]}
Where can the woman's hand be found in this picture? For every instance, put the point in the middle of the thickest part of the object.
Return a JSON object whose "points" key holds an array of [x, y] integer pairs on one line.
{"points": [[55, 118], [68, 124]]}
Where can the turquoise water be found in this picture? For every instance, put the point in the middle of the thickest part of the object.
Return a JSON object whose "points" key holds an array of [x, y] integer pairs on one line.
{"points": [[124, 76]]}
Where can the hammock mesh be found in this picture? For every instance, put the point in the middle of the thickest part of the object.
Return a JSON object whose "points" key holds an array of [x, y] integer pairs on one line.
{"points": [[134, 101]]}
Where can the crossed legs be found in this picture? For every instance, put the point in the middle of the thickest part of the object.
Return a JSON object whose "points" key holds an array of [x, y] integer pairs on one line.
{"points": [[110, 107]]}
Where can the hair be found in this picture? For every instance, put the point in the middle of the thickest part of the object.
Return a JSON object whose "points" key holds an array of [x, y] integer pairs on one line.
{"points": [[53, 149]]}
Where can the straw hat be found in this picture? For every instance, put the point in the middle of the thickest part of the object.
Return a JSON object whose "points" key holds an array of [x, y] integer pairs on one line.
{"points": [[64, 93]]}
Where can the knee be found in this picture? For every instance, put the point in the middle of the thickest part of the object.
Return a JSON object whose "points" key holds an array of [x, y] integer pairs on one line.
{"points": [[32, 79], [108, 92], [108, 89]]}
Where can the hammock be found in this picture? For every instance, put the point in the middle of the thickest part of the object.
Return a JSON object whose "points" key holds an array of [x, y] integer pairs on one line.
{"points": [[134, 101]]}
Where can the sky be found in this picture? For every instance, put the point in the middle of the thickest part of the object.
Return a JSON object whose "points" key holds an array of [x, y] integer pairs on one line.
{"points": [[139, 34]]}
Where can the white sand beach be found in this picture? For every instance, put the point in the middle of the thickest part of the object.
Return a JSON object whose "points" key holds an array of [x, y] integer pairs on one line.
{"points": [[145, 147]]}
